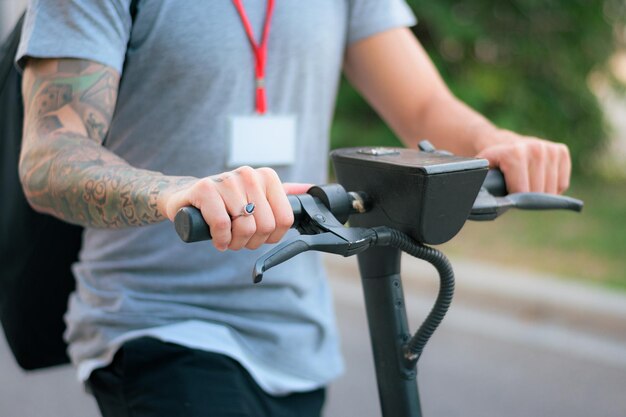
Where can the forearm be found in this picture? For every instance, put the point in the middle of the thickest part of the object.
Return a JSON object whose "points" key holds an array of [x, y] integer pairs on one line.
{"points": [[395, 75], [64, 169], [451, 125], [81, 182]]}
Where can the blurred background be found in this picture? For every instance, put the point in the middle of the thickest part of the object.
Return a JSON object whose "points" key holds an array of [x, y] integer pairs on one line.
{"points": [[539, 323], [555, 69]]}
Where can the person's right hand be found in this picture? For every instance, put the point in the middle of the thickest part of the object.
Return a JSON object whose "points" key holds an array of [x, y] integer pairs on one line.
{"points": [[221, 199]]}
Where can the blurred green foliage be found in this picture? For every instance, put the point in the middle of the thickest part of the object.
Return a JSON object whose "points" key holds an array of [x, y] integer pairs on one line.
{"points": [[522, 63]]}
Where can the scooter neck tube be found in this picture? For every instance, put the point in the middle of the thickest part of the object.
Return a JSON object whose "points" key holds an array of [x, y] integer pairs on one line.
{"points": [[389, 332]]}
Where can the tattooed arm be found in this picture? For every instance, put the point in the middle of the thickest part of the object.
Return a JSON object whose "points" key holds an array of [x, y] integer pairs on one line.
{"points": [[67, 173], [63, 167]]}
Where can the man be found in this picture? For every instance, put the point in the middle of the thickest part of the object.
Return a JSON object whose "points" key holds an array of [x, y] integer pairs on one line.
{"points": [[130, 118]]}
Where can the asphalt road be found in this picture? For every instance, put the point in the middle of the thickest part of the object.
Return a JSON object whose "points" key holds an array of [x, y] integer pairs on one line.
{"points": [[491, 357]]}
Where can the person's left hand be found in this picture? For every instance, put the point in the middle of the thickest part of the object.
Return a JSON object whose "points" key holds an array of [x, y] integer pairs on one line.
{"points": [[528, 163]]}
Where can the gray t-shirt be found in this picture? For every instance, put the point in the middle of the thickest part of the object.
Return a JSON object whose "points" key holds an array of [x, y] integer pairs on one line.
{"points": [[186, 68]]}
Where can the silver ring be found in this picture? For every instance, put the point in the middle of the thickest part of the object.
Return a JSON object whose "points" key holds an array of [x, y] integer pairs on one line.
{"points": [[247, 210]]}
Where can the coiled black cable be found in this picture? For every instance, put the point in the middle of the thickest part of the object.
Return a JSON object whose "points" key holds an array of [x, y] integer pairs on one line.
{"points": [[402, 241]]}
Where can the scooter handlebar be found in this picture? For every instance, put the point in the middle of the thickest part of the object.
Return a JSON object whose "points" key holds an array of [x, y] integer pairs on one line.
{"points": [[491, 202]]}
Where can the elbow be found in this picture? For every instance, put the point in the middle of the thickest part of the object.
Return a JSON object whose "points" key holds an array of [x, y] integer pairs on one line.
{"points": [[32, 182]]}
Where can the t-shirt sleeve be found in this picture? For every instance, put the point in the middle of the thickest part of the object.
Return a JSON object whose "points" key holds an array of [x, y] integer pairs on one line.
{"points": [[96, 30], [368, 17]]}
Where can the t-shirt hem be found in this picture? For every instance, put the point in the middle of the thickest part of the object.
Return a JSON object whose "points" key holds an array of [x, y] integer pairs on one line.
{"points": [[274, 381]]}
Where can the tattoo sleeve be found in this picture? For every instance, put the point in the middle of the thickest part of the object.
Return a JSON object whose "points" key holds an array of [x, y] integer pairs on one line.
{"points": [[64, 168]]}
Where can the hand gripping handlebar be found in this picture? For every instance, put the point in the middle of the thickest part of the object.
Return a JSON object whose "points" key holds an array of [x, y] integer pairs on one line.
{"points": [[323, 203], [320, 214]]}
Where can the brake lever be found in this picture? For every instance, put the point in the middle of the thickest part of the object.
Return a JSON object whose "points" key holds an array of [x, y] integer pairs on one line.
{"points": [[324, 242], [321, 232], [489, 207]]}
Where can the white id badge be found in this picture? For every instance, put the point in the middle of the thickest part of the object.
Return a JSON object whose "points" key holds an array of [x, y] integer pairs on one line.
{"points": [[262, 140]]}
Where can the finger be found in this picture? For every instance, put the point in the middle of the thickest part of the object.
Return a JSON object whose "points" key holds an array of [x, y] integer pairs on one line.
{"points": [[511, 160], [234, 190], [277, 198], [517, 180], [208, 200], [552, 171], [565, 169], [296, 188], [243, 229], [263, 213], [536, 176], [537, 168], [552, 176]]}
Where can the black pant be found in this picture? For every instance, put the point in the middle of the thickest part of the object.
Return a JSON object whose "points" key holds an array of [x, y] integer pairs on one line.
{"points": [[150, 378]]}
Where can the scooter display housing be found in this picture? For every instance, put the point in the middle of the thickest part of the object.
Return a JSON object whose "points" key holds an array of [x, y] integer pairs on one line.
{"points": [[427, 195]]}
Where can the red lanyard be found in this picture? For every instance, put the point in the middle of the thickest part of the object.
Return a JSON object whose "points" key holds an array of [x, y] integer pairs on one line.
{"points": [[260, 51]]}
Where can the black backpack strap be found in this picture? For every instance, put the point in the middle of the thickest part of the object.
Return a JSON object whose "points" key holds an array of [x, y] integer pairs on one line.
{"points": [[36, 250], [133, 9], [9, 49]]}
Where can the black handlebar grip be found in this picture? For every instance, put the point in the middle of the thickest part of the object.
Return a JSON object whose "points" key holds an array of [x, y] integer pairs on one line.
{"points": [[190, 225], [495, 183]]}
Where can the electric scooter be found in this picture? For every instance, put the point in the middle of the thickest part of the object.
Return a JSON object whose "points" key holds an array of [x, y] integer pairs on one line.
{"points": [[403, 200]]}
